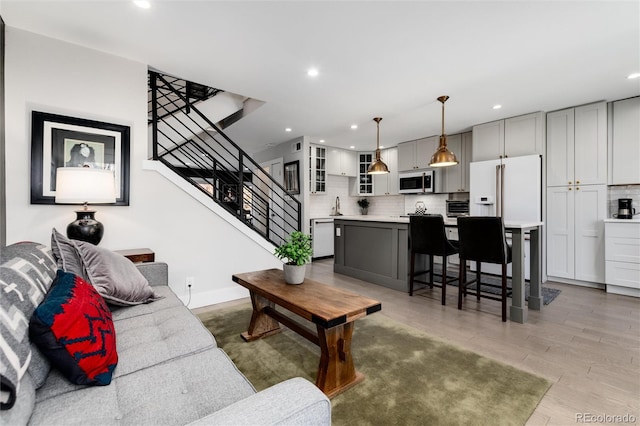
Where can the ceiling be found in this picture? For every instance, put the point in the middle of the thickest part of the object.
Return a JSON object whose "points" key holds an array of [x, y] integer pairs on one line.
{"points": [[375, 58]]}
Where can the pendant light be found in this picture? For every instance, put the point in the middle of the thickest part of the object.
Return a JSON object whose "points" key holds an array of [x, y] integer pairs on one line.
{"points": [[443, 157], [377, 167]]}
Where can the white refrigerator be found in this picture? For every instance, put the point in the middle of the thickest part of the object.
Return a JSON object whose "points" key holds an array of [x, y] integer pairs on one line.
{"points": [[509, 187]]}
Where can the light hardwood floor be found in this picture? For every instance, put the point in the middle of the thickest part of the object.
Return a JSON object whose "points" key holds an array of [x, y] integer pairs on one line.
{"points": [[586, 342]]}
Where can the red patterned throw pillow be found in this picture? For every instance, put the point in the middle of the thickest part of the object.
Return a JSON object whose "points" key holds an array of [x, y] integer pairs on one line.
{"points": [[74, 329]]}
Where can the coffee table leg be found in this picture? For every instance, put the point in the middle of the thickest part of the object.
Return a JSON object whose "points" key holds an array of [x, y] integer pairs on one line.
{"points": [[261, 324], [336, 372]]}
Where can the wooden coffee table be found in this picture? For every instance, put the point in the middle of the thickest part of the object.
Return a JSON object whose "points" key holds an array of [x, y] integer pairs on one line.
{"points": [[331, 309]]}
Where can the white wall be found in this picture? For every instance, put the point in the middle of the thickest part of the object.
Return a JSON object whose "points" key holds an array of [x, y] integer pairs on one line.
{"points": [[53, 76]]}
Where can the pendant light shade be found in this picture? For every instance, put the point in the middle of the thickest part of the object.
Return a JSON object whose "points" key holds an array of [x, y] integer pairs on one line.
{"points": [[377, 167], [443, 157]]}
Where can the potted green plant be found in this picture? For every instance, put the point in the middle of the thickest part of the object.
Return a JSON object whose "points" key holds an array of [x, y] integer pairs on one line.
{"points": [[297, 250], [364, 205]]}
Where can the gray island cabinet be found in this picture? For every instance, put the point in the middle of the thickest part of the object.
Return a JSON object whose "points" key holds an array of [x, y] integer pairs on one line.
{"points": [[374, 249]]}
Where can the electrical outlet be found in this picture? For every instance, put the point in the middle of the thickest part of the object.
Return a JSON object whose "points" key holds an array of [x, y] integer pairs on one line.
{"points": [[189, 282]]}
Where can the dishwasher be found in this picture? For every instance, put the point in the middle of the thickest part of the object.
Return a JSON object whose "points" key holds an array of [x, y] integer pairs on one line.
{"points": [[322, 237]]}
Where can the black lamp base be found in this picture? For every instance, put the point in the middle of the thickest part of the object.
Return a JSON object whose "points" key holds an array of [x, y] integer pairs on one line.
{"points": [[85, 227]]}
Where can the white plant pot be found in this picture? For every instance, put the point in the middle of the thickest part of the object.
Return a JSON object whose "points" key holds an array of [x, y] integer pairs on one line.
{"points": [[294, 274]]}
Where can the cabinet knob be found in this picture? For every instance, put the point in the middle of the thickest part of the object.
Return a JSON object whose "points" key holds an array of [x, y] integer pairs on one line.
{"points": [[577, 182], [569, 182], [569, 189], [578, 189]]}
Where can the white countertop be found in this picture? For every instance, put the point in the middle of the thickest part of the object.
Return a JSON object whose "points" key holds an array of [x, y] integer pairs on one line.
{"points": [[374, 218], [447, 221], [613, 220]]}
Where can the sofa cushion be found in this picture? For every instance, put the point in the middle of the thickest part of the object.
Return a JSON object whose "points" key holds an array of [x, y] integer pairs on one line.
{"points": [[114, 276], [145, 341], [176, 392], [66, 254], [169, 300], [26, 273], [25, 401], [73, 328]]}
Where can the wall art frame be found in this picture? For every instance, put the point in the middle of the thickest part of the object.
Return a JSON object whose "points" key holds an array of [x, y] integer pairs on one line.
{"points": [[292, 177], [62, 141]]}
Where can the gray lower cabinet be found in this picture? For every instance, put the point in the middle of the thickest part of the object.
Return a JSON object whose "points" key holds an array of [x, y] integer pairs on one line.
{"points": [[377, 252]]}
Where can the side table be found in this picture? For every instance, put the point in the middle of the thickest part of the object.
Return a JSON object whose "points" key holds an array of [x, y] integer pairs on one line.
{"points": [[141, 255]]}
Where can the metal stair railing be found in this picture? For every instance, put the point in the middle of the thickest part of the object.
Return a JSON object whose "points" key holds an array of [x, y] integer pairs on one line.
{"points": [[187, 142]]}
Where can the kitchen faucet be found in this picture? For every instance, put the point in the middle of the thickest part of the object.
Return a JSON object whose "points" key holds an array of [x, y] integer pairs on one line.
{"points": [[338, 207]]}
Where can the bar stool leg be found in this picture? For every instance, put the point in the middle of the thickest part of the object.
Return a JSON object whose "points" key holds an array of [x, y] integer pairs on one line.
{"points": [[461, 283], [444, 280], [431, 271], [411, 272], [478, 274], [504, 292]]}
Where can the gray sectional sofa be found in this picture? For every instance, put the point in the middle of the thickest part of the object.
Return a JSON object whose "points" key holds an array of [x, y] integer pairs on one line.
{"points": [[170, 370]]}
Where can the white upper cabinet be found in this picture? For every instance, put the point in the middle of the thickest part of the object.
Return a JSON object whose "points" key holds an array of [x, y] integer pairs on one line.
{"points": [[591, 144], [416, 155], [456, 178], [512, 137], [560, 136], [387, 184], [624, 149], [524, 135], [488, 141], [577, 146], [341, 162]]}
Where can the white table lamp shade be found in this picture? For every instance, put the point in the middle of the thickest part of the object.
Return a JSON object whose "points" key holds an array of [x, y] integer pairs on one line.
{"points": [[77, 185]]}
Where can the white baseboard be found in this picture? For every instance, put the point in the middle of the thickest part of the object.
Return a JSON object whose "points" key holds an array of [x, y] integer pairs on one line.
{"points": [[625, 291], [576, 282], [207, 298]]}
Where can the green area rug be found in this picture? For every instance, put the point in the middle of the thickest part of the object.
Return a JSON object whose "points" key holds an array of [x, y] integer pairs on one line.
{"points": [[411, 378]]}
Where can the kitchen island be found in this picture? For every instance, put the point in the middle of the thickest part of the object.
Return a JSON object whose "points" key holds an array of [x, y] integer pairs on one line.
{"points": [[376, 249], [373, 248]]}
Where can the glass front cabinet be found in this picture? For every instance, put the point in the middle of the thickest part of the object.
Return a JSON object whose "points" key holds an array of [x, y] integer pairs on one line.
{"points": [[365, 181], [317, 169]]}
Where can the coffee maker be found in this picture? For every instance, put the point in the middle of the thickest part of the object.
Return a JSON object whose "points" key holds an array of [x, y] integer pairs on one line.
{"points": [[625, 211]]}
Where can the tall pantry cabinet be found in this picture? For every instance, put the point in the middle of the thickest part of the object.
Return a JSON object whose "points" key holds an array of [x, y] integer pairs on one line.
{"points": [[577, 192]]}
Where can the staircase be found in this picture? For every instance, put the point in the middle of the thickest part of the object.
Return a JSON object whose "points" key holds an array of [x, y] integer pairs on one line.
{"points": [[196, 149]]}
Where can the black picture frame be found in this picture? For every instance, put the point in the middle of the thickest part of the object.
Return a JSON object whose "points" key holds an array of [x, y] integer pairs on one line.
{"points": [[61, 141], [292, 177]]}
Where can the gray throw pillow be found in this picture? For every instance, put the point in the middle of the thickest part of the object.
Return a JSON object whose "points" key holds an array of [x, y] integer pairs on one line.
{"points": [[114, 276], [26, 273], [66, 254]]}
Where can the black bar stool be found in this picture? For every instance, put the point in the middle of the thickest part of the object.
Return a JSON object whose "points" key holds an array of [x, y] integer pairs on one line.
{"points": [[482, 239], [427, 236]]}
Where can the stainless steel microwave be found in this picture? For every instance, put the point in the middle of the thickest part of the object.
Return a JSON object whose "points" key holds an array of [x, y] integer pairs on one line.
{"points": [[416, 182]]}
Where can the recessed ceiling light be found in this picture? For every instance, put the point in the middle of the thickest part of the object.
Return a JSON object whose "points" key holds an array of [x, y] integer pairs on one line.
{"points": [[321, 140], [312, 72], [288, 129], [497, 106], [143, 4], [634, 75], [354, 126], [352, 147], [381, 146]]}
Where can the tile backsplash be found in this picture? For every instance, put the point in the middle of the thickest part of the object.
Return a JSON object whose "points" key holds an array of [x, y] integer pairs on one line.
{"points": [[393, 205], [623, 191], [435, 203]]}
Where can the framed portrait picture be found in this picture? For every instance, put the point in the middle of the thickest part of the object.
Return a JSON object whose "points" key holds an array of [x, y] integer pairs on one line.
{"points": [[292, 177], [60, 141]]}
